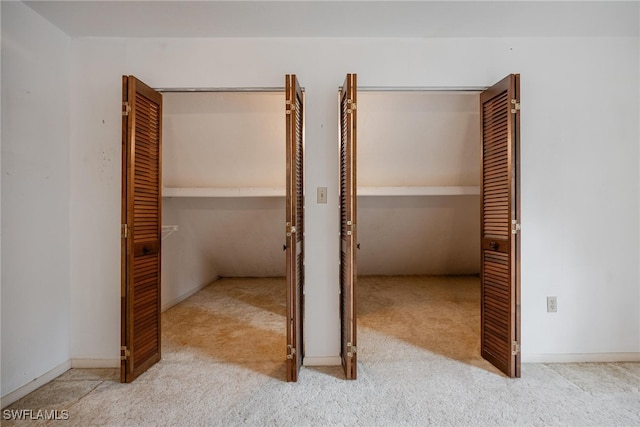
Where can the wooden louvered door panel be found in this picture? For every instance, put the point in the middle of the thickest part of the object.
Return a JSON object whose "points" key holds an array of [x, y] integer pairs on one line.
{"points": [[141, 219], [348, 219], [500, 228], [294, 224]]}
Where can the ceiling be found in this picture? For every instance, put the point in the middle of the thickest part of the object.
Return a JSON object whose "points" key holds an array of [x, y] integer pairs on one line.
{"points": [[265, 18]]}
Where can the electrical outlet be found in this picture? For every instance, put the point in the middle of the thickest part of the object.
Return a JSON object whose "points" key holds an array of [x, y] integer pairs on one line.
{"points": [[322, 194], [552, 304]]}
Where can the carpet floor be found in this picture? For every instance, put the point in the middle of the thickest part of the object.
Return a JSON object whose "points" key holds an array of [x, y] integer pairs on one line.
{"points": [[419, 364]]}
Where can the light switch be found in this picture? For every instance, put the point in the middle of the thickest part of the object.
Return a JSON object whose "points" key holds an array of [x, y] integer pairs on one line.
{"points": [[322, 194]]}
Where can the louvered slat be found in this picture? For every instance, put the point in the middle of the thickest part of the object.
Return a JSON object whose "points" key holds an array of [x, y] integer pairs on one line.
{"points": [[496, 226], [299, 224], [146, 167], [348, 215], [495, 164], [500, 278], [295, 221], [145, 327], [496, 297], [142, 200], [344, 262]]}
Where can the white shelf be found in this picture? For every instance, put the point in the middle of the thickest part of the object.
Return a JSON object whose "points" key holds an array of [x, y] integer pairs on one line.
{"points": [[223, 192], [452, 190], [280, 192]]}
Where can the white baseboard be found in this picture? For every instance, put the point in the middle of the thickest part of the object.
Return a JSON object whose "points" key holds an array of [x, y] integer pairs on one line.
{"points": [[21, 392], [95, 363], [167, 305], [322, 361], [580, 357]]}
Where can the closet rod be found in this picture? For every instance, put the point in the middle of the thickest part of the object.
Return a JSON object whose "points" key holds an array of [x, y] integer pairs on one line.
{"points": [[473, 89], [220, 89]]}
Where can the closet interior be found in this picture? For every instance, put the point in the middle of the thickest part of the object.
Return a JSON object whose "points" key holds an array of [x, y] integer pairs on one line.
{"points": [[418, 263], [223, 183], [418, 182], [223, 200]]}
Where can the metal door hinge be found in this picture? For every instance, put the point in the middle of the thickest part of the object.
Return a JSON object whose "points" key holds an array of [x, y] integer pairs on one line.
{"points": [[291, 351], [352, 228], [350, 106], [124, 231], [351, 350], [516, 106], [515, 226], [290, 107], [126, 108], [515, 348], [290, 230], [124, 353]]}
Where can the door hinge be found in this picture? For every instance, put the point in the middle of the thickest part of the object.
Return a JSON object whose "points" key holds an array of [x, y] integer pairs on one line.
{"points": [[515, 226], [124, 353], [291, 229], [351, 350], [352, 228], [290, 107], [126, 108], [291, 351], [515, 348], [124, 231], [350, 106], [516, 106]]}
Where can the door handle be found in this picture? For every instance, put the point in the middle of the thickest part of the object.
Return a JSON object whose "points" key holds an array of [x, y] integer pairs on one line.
{"points": [[494, 246], [146, 250]]}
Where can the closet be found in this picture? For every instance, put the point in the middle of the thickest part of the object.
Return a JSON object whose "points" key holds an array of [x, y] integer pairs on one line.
{"points": [[433, 176], [214, 178], [418, 182]]}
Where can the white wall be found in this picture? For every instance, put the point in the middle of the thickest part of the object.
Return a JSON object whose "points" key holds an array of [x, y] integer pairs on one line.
{"points": [[186, 264], [423, 235], [418, 139], [228, 140], [579, 167], [239, 237], [223, 139], [35, 197], [95, 175]]}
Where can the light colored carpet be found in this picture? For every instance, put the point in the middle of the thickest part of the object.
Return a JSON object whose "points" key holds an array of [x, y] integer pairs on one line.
{"points": [[223, 364]]}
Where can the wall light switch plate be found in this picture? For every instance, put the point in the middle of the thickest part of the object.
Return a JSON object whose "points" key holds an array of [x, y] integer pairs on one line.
{"points": [[322, 194]]}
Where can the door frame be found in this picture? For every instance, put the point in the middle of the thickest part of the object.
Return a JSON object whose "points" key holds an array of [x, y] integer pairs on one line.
{"points": [[478, 90], [125, 131]]}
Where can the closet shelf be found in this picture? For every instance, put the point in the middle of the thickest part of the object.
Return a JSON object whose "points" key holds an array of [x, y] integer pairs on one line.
{"points": [[223, 192], [451, 190]]}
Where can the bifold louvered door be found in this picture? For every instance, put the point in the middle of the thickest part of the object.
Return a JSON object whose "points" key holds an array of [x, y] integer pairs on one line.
{"points": [[348, 220], [500, 225], [294, 109], [141, 227]]}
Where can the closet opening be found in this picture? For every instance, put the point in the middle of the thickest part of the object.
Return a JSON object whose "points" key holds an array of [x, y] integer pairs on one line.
{"points": [[437, 228], [225, 203], [419, 224], [223, 189]]}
